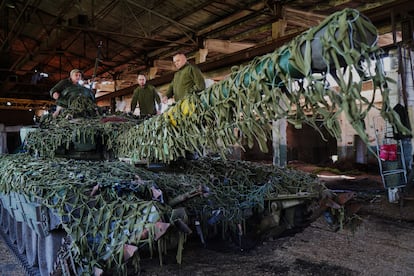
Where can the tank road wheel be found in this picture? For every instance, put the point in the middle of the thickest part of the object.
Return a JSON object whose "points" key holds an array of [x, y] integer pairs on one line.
{"points": [[12, 229], [31, 246], [41, 253], [48, 248], [20, 233], [6, 221], [2, 213]]}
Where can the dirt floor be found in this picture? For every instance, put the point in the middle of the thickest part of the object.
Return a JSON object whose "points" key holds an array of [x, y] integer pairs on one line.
{"points": [[379, 242], [9, 264]]}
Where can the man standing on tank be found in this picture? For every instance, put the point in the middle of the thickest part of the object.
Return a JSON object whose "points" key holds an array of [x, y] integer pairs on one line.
{"points": [[147, 97], [60, 92], [188, 79]]}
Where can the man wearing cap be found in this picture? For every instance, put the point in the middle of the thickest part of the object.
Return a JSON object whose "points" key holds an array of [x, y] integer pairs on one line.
{"points": [[62, 91]]}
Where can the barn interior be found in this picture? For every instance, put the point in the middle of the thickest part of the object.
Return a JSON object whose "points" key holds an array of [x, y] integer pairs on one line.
{"points": [[81, 215], [112, 41]]}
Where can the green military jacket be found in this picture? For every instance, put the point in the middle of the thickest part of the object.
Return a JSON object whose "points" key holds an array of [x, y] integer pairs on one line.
{"points": [[146, 97], [69, 91], [188, 79]]}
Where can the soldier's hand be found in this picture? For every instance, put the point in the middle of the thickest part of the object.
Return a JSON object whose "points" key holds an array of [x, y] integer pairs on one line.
{"points": [[55, 95]]}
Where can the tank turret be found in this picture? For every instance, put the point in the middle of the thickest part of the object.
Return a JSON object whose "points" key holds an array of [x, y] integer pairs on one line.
{"points": [[73, 208]]}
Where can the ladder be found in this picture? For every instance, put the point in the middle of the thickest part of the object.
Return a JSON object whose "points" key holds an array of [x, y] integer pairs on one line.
{"points": [[391, 161]]}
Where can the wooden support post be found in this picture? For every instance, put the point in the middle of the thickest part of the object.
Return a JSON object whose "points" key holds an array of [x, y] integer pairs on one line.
{"points": [[278, 28], [152, 73], [164, 64], [201, 56], [3, 139], [225, 46]]}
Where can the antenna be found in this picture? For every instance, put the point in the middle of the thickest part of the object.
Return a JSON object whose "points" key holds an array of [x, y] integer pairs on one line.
{"points": [[97, 60]]}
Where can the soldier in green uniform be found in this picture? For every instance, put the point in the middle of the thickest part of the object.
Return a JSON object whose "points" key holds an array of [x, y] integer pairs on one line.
{"points": [[188, 79], [67, 89], [147, 98]]}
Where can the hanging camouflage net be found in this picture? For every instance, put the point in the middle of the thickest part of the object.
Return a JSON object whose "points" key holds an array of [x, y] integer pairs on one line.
{"points": [[81, 123], [235, 187], [105, 206], [290, 83]]}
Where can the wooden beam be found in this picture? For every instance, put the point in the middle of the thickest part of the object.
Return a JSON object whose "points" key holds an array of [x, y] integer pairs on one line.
{"points": [[164, 64], [387, 39], [152, 73], [230, 19], [225, 46], [201, 56], [302, 18], [226, 61], [279, 28], [215, 27], [247, 35], [24, 104]]}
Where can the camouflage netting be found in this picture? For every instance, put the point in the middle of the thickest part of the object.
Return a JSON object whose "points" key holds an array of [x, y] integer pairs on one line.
{"points": [[125, 209], [235, 186], [292, 83], [81, 123], [316, 77], [100, 224], [106, 205]]}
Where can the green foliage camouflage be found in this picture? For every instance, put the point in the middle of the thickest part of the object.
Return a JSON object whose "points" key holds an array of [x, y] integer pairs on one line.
{"points": [[291, 83], [82, 122], [282, 84], [100, 223]]}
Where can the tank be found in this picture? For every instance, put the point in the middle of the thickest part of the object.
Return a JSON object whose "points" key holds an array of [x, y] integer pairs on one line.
{"points": [[45, 211], [95, 192], [69, 209], [71, 217]]}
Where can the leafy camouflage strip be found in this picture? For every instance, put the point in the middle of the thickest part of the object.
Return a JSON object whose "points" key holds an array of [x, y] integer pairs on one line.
{"points": [[81, 124], [283, 84], [105, 206], [99, 224]]}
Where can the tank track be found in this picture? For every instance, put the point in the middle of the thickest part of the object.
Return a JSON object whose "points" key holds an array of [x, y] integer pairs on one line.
{"points": [[37, 242], [29, 270]]}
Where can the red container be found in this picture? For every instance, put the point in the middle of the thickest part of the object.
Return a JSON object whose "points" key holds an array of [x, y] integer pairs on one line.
{"points": [[383, 152], [388, 152], [392, 152]]}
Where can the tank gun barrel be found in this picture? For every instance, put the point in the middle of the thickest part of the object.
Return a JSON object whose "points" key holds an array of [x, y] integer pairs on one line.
{"points": [[290, 83]]}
